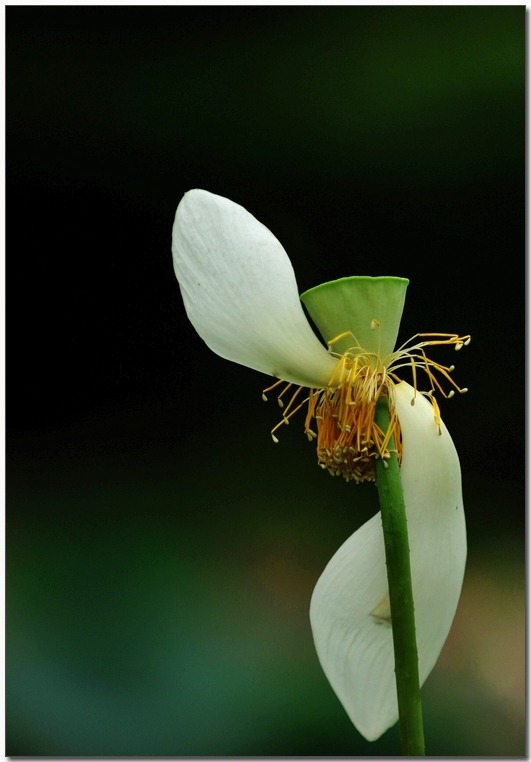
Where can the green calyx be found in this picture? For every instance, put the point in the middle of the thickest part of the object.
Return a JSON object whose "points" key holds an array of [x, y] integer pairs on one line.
{"points": [[367, 310]]}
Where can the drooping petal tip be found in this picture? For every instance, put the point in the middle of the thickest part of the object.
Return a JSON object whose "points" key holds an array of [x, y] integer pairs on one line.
{"points": [[353, 642]]}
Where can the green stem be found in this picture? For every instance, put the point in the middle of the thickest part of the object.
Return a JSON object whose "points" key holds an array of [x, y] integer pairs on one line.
{"points": [[394, 523]]}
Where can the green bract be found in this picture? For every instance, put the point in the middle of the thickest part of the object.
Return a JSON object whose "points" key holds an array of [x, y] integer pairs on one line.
{"points": [[352, 305]]}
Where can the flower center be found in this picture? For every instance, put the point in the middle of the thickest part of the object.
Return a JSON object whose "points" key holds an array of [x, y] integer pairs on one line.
{"points": [[348, 439]]}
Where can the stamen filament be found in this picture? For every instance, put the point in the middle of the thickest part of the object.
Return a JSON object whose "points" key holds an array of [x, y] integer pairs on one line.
{"points": [[270, 388], [279, 398], [290, 403]]}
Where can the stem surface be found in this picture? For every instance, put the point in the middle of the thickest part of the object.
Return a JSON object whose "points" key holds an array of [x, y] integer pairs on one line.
{"points": [[394, 523]]}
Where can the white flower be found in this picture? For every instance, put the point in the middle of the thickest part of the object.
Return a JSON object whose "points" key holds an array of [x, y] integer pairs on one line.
{"points": [[240, 293]]}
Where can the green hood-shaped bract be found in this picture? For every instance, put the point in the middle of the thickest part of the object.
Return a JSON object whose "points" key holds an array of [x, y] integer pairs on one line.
{"points": [[352, 305]]}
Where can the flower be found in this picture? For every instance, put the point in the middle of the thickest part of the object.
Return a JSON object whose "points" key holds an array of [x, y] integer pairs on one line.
{"points": [[240, 293]]}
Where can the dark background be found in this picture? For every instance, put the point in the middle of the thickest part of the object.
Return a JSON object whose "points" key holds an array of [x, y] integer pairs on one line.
{"points": [[161, 551]]}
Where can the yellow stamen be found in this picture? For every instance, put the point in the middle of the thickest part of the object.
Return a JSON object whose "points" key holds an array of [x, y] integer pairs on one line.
{"points": [[270, 388], [348, 439], [382, 612]]}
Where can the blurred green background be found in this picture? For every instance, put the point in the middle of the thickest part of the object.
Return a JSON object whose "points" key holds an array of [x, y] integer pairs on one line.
{"points": [[161, 550]]}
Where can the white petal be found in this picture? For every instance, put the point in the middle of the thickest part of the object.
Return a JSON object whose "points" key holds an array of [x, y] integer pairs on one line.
{"points": [[240, 293], [355, 648]]}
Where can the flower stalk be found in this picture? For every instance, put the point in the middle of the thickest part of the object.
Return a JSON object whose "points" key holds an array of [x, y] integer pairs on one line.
{"points": [[394, 524]]}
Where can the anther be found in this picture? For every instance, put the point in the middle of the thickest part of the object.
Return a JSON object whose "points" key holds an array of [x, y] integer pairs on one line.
{"points": [[459, 346], [273, 437], [463, 390], [467, 342], [451, 368], [264, 397], [412, 403], [451, 394], [374, 324], [280, 403]]}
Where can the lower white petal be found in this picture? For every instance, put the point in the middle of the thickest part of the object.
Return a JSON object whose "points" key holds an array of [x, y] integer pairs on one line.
{"points": [[355, 647], [240, 293]]}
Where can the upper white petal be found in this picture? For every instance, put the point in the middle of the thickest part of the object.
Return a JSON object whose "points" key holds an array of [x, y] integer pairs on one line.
{"points": [[355, 650], [240, 293]]}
